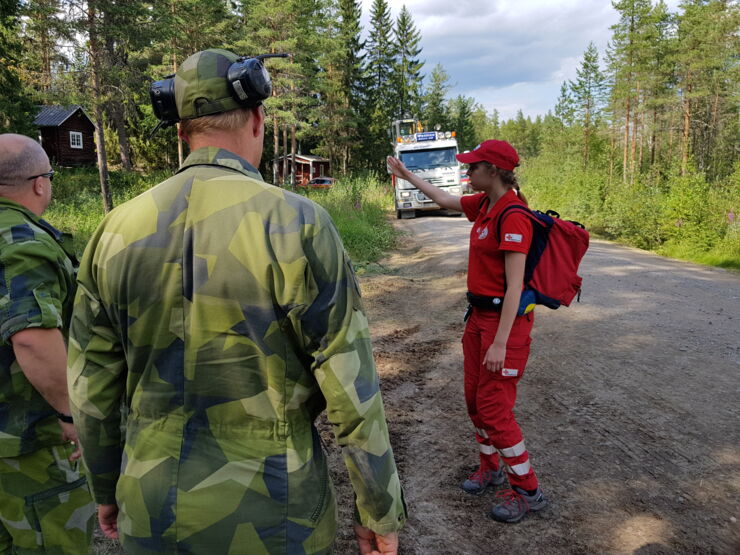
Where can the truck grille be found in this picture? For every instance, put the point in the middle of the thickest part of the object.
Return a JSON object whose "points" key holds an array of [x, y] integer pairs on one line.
{"points": [[435, 180]]}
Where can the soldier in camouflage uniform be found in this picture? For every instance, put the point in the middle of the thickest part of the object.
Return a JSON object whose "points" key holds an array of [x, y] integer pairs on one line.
{"points": [[45, 503], [218, 316]]}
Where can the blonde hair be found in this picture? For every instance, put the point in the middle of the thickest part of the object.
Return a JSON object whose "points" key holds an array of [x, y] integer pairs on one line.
{"points": [[233, 120]]}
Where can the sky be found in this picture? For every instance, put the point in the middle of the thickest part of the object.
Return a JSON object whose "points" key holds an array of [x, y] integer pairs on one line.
{"points": [[509, 55]]}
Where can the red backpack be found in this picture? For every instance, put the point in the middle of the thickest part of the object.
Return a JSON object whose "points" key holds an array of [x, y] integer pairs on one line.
{"points": [[551, 271]]}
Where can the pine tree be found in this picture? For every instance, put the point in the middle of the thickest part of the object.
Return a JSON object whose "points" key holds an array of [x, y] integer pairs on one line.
{"points": [[436, 111], [15, 105], [461, 109], [587, 93], [342, 87], [627, 57], [42, 33], [274, 28], [708, 81], [565, 108], [407, 71], [380, 60]]}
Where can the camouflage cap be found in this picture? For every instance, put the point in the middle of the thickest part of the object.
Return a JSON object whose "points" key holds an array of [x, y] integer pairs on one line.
{"points": [[201, 87]]}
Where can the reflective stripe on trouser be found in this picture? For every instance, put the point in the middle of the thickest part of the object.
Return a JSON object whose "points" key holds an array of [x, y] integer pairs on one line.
{"points": [[45, 503], [490, 397]]}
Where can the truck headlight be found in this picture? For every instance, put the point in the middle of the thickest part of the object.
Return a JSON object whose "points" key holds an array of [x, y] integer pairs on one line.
{"points": [[405, 194]]}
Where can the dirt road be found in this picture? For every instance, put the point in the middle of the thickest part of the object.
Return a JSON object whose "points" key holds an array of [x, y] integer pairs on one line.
{"points": [[629, 405]]}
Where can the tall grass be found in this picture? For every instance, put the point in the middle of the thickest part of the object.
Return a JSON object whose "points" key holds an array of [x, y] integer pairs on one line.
{"points": [[77, 205], [358, 205]]}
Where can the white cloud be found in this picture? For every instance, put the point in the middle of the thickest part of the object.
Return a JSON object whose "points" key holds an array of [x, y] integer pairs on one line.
{"points": [[508, 54]]}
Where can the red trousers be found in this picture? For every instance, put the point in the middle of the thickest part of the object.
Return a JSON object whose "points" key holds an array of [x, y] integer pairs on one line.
{"points": [[490, 396]]}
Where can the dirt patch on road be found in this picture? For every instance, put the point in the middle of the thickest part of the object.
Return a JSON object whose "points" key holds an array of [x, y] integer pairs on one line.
{"points": [[636, 449]]}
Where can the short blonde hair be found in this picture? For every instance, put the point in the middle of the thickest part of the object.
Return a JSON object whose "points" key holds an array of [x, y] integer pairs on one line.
{"points": [[233, 120]]}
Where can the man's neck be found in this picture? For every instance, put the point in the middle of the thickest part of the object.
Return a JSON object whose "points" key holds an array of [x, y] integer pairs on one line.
{"points": [[227, 141]]}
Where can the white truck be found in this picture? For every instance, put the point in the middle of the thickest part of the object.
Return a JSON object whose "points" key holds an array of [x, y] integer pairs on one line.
{"points": [[431, 156]]}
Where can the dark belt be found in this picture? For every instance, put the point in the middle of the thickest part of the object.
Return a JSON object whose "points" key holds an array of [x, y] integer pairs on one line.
{"points": [[485, 303]]}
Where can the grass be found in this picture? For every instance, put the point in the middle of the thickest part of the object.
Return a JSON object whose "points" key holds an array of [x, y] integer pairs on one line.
{"points": [[359, 207]]}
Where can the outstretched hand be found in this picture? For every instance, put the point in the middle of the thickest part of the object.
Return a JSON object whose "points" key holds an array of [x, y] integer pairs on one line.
{"points": [[396, 167], [371, 543]]}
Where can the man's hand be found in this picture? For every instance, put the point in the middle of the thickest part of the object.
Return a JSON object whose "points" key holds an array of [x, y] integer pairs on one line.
{"points": [[371, 543], [70, 434], [108, 517]]}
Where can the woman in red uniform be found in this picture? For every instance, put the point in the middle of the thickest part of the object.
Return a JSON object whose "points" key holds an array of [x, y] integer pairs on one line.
{"points": [[496, 339]]}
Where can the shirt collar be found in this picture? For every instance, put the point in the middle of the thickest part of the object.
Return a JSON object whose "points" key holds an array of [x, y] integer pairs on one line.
{"points": [[7, 203], [214, 156], [510, 197]]}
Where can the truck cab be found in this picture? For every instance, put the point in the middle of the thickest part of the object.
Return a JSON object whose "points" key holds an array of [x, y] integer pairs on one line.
{"points": [[431, 156]]}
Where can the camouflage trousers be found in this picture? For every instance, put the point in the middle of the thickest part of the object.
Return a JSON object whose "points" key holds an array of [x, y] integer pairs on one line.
{"points": [[45, 504]]}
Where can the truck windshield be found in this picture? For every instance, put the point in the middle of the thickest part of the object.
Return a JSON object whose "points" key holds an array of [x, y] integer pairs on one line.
{"points": [[433, 158]]}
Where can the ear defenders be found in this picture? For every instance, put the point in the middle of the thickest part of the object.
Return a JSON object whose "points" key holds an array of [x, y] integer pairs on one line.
{"points": [[247, 81]]}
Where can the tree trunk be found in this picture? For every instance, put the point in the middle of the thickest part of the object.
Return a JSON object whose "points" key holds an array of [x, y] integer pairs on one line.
{"points": [[626, 140], [98, 108], [285, 155], [641, 134], [293, 147], [116, 113], [686, 131], [654, 137], [635, 118]]}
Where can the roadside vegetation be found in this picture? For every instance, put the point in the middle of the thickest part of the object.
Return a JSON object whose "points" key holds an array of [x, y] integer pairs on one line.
{"points": [[679, 216]]}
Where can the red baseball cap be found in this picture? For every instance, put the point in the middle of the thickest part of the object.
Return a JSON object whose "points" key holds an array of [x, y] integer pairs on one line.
{"points": [[499, 153]]}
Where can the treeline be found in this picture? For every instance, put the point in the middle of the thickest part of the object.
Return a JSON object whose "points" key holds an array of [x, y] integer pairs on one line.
{"points": [[334, 96], [642, 144]]}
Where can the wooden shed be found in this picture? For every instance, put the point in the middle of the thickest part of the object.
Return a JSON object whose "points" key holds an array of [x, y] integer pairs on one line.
{"points": [[307, 166], [67, 135]]}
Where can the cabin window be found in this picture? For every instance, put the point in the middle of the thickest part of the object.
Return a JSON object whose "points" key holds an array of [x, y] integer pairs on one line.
{"points": [[75, 139]]}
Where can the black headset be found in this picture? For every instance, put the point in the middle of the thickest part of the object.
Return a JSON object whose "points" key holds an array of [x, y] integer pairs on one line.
{"points": [[248, 82]]}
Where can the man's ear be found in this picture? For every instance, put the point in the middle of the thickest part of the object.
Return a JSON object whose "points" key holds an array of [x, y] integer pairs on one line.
{"points": [[38, 186], [257, 121], [181, 134]]}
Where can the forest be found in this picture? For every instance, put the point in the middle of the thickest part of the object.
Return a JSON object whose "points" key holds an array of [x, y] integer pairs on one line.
{"points": [[641, 146]]}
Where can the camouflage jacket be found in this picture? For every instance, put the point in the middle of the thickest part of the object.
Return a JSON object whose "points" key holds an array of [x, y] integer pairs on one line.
{"points": [[222, 315], [36, 290]]}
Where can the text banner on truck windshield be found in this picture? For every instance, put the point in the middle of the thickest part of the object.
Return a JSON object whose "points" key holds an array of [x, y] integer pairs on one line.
{"points": [[428, 136]]}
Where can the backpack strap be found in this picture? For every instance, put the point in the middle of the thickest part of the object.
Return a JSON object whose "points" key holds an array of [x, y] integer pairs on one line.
{"points": [[522, 209]]}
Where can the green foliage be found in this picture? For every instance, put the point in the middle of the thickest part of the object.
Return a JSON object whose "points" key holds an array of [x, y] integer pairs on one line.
{"points": [[359, 207], [15, 107]]}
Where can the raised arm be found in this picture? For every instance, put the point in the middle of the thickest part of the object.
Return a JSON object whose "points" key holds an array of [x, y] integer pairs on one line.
{"points": [[442, 198]]}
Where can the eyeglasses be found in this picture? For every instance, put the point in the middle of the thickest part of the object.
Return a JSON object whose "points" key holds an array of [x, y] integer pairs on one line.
{"points": [[49, 174], [475, 165]]}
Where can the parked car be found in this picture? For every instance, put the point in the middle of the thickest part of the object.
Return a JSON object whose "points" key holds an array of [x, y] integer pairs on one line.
{"points": [[465, 181], [321, 182]]}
